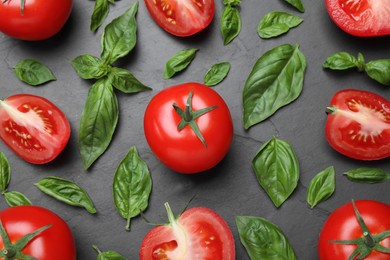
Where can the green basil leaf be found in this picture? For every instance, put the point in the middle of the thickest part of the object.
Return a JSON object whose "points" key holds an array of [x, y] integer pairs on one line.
{"points": [[263, 239], [340, 61], [379, 70], [124, 81], [276, 23], [14, 198], [120, 36], [99, 14], [232, 2], [33, 72], [277, 169], [132, 185], [179, 62], [216, 73], [367, 175], [275, 81], [67, 192], [297, 4], [110, 255], [5, 172], [230, 24], [321, 187], [89, 67], [98, 121]]}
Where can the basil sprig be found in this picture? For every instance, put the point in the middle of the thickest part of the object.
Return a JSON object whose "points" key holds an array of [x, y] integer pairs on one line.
{"points": [[263, 239], [277, 169], [230, 23], [297, 4], [33, 72], [367, 175], [108, 255], [321, 187], [178, 62], [275, 81], [100, 11], [216, 73], [277, 23]]}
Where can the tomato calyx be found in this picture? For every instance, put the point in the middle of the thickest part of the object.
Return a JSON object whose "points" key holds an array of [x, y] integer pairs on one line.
{"points": [[22, 4], [188, 117]]}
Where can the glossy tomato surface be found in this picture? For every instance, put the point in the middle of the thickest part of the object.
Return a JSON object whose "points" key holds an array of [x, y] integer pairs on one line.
{"points": [[181, 17], [364, 18], [40, 19], [182, 150], [359, 126], [342, 224], [56, 242], [33, 127]]}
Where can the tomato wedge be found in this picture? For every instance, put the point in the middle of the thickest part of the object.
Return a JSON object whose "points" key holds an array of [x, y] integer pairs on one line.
{"points": [[181, 17], [364, 18], [358, 124], [33, 127]]}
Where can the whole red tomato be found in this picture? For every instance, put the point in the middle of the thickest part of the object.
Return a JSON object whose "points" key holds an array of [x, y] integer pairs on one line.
{"points": [[342, 232], [192, 143], [54, 242], [33, 128], [35, 20]]}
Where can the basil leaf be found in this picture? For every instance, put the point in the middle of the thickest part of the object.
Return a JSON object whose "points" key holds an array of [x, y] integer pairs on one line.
{"points": [[120, 36], [367, 175], [14, 198], [297, 4], [340, 61], [379, 70], [5, 172], [263, 239], [321, 187], [67, 192], [276, 23], [275, 81], [98, 121], [216, 73], [277, 169], [230, 24], [124, 81], [179, 62], [232, 2], [99, 14], [89, 67], [33, 72], [108, 255], [132, 185]]}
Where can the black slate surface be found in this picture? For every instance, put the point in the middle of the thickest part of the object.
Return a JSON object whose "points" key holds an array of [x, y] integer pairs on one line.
{"points": [[230, 188]]}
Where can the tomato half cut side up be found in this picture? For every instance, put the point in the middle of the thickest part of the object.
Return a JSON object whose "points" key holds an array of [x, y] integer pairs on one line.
{"points": [[33, 128], [358, 124], [181, 17]]}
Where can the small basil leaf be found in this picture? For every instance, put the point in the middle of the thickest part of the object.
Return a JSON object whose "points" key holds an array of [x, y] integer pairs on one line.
{"points": [[120, 36], [89, 67], [277, 169], [179, 62], [321, 187], [98, 121], [5, 172], [110, 255], [263, 239], [14, 198], [297, 4], [33, 72], [216, 73], [275, 81], [124, 81], [276, 23], [367, 175], [132, 185], [340, 61], [230, 24], [67, 192], [99, 14], [379, 70]]}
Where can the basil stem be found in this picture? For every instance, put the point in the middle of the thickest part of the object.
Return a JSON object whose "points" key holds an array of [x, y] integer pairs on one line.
{"points": [[14, 198], [321, 187], [216, 73], [277, 23], [230, 24], [297, 4], [33, 72], [108, 255], [367, 175], [178, 62], [5, 172]]}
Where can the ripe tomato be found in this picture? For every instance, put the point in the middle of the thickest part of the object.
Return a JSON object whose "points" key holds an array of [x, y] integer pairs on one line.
{"points": [[343, 224], [181, 17], [199, 233], [33, 127], [364, 18], [358, 124], [39, 20], [55, 242], [182, 149]]}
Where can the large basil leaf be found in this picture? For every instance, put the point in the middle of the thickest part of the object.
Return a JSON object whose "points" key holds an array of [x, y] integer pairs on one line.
{"points": [[67, 192], [275, 80], [321, 187], [379, 70], [216, 73], [340, 61], [5, 172], [179, 62], [120, 36], [14, 198], [33, 72], [131, 186], [277, 169], [99, 14], [108, 255], [263, 239], [297, 4], [276, 23], [89, 67], [124, 81], [230, 23], [98, 121], [367, 175]]}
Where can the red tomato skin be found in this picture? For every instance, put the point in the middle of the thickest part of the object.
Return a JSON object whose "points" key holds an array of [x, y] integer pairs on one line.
{"points": [[342, 224], [56, 242], [41, 18], [182, 151]]}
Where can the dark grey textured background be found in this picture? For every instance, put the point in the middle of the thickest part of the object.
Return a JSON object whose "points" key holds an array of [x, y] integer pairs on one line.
{"points": [[230, 188]]}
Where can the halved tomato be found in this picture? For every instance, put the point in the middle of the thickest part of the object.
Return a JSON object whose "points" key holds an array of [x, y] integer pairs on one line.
{"points": [[182, 17], [33, 127]]}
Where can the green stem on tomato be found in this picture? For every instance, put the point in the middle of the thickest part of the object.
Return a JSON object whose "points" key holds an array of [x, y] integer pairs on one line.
{"points": [[96, 249]]}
